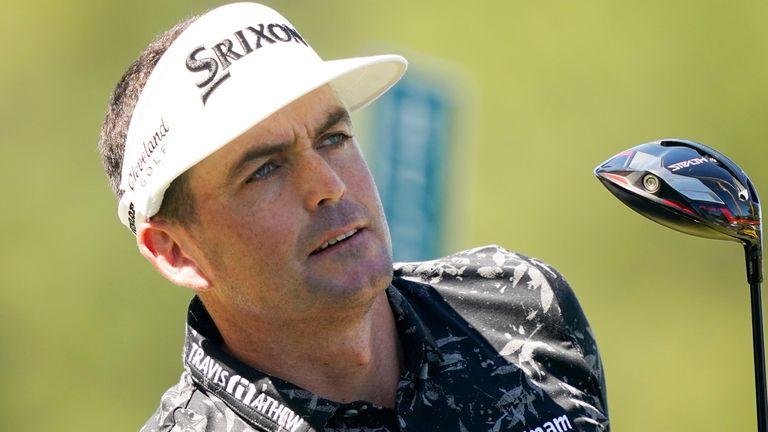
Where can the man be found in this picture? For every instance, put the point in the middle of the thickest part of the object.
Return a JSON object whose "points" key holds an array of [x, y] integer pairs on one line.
{"points": [[230, 146]]}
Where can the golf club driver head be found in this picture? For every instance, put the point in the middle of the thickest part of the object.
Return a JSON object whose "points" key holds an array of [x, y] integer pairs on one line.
{"points": [[686, 186]]}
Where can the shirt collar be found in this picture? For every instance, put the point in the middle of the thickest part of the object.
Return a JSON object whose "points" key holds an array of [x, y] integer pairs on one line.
{"points": [[415, 337], [271, 403]]}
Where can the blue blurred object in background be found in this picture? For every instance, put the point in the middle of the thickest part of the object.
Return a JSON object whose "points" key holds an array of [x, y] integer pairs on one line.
{"points": [[409, 150]]}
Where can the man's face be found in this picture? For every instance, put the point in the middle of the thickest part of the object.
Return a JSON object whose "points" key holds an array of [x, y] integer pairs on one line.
{"points": [[270, 204]]}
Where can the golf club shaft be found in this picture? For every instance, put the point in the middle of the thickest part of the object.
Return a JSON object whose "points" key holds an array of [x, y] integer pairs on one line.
{"points": [[758, 346]]}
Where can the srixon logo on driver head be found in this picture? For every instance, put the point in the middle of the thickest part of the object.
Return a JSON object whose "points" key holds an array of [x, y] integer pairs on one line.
{"points": [[215, 61]]}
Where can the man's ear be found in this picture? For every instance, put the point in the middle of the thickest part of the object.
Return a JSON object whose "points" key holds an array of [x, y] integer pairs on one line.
{"points": [[161, 244]]}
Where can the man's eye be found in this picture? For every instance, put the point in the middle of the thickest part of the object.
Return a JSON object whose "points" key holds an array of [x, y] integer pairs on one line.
{"points": [[336, 139], [262, 172]]}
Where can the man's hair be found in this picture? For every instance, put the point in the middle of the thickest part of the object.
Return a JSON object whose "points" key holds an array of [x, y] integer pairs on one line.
{"points": [[177, 202]]}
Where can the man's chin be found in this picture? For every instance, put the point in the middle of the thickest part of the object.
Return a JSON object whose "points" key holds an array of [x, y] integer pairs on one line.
{"points": [[357, 284]]}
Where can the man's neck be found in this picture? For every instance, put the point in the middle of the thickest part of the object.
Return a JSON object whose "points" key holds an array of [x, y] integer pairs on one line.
{"points": [[356, 359]]}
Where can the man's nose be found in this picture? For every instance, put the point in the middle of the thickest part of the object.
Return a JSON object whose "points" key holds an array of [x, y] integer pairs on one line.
{"points": [[320, 181]]}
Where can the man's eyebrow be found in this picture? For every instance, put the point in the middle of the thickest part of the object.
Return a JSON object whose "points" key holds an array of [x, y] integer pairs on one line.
{"points": [[338, 115]]}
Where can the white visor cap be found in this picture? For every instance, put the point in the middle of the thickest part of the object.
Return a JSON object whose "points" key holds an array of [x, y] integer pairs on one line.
{"points": [[230, 69]]}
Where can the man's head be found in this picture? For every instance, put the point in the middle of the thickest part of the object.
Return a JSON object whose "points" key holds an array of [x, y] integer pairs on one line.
{"points": [[228, 70], [241, 117]]}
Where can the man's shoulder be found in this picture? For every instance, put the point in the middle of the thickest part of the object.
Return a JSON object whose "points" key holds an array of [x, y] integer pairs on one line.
{"points": [[487, 262], [520, 305], [503, 294], [490, 274], [186, 408]]}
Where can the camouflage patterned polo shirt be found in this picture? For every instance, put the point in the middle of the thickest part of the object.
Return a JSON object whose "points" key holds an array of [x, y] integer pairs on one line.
{"points": [[493, 341]]}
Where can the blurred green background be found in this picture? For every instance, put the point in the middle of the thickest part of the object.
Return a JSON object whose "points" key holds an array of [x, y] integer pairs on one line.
{"points": [[91, 335]]}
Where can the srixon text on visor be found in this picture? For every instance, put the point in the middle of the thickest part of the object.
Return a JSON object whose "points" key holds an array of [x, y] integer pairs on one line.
{"points": [[222, 53]]}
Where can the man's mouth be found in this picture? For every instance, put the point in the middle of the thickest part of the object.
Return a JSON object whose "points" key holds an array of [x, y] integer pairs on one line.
{"points": [[335, 240]]}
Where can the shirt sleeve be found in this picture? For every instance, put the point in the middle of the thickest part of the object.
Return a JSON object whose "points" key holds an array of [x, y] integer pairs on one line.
{"points": [[579, 331]]}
